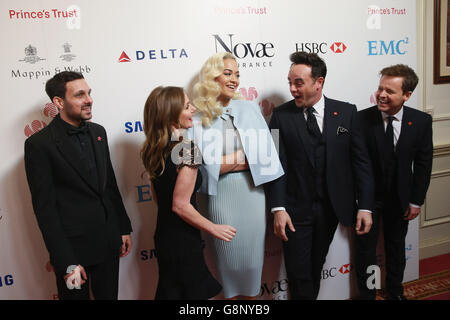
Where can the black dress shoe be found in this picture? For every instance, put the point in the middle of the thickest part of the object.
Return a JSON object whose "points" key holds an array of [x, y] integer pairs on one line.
{"points": [[398, 297]]}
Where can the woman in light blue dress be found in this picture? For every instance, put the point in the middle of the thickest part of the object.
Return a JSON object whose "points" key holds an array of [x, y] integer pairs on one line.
{"points": [[239, 157]]}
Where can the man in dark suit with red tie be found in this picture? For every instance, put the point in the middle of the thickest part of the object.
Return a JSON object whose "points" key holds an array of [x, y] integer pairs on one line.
{"points": [[400, 145], [327, 170], [75, 196]]}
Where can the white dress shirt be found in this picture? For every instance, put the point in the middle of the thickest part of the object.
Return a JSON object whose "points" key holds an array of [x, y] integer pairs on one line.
{"points": [[396, 124], [319, 112]]}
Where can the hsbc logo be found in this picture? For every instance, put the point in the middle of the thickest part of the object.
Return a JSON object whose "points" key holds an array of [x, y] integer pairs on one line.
{"points": [[321, 47], [334, 271], [338, 47], [346, 268]]}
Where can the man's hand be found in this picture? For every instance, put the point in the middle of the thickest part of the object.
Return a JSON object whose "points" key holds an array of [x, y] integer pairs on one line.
{"points": [[411, 213], [281, 218], [126, 245], [363, 222]]}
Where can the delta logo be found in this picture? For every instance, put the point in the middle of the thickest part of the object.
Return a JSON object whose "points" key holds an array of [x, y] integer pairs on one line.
{"points": [[155, 54], [124, 57]]}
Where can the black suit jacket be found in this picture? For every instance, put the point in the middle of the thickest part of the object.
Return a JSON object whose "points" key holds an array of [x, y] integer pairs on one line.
{"points": [[414, 152], [80, 224], [348, 170]]}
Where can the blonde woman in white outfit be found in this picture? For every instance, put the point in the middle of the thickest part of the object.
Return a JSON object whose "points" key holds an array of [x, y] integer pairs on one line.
{"points": [[239, 157]]}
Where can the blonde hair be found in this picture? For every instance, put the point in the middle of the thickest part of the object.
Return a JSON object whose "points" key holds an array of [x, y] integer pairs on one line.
{"points": [[161, 113], [207, 90]]}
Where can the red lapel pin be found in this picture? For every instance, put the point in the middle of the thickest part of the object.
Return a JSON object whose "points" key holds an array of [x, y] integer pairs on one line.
{"points": [[99, 138], [410, 123], [335, 113]]}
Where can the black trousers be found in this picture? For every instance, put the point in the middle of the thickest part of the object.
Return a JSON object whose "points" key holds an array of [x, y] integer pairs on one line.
{"points": [[306, 250], [103, 278], [395, 230]]}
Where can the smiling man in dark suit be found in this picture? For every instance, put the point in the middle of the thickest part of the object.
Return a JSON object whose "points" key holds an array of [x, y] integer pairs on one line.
{"points": [[400, 145], [75, 196], [327, 170]]}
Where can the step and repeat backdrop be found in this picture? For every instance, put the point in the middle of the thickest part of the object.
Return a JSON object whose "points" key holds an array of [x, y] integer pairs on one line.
{"points": [[125, 49]]}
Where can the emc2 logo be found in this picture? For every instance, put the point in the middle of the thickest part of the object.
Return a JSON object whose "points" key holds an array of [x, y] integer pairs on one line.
{"points": [[391, 48]]}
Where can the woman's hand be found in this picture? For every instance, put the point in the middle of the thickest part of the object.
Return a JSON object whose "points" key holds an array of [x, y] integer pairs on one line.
{"points": [[235, 161], [223, 232]]}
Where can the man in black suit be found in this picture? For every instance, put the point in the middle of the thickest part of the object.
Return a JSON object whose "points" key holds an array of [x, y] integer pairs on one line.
{"points": [[400, 145], [327, 170], [75, 196]]}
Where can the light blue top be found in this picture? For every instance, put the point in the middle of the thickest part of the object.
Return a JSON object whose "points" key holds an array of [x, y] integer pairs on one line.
{"points": [[257, 142]]}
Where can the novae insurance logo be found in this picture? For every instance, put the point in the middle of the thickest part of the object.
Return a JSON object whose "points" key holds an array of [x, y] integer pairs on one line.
{"points": [[252, 54], [277, 290]]}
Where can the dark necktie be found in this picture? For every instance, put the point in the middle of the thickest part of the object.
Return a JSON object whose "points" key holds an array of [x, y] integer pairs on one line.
{"points": [[312, 126], [389, 158], [389, 140]]}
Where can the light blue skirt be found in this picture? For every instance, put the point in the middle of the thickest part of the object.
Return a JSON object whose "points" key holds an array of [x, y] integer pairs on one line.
{"points": [[241, 205]]}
